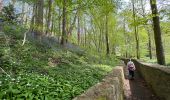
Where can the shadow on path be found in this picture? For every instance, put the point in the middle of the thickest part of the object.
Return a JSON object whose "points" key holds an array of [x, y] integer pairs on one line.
{"points": [[136, 89]]}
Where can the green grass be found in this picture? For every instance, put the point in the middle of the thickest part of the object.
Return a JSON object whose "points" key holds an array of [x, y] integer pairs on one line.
{"points": [[167, 58]]}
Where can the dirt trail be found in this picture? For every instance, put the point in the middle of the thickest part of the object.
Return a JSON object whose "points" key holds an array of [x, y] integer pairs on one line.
{"points": [[136, 89]]}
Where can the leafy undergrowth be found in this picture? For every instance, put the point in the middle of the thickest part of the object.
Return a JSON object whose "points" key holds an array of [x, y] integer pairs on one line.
{"points": [[34, 71], [148, 60]]}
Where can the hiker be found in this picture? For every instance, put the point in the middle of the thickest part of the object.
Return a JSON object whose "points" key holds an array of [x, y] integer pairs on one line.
{"points": [[131, 69]]}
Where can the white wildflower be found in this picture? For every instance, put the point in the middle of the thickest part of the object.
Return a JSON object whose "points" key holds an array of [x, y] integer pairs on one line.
{"points": [[19, 77], [28, 84], [13, 79]]}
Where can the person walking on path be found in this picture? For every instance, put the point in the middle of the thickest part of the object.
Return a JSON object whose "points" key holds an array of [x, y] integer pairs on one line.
{"points": [[131, 69]]}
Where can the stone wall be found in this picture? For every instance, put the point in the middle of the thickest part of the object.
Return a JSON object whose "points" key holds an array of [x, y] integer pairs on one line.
{"points": [[156, 76], [110, 88]]}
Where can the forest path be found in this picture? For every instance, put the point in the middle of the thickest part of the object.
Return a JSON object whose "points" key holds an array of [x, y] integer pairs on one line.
{"points": [[136, 89]]}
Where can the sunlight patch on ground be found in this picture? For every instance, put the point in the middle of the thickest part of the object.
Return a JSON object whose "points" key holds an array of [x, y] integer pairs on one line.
{"points": [[103, 67]]}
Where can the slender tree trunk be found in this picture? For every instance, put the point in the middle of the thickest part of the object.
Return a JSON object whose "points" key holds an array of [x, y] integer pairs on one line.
{"points": [[78, 29], [52, 26], [72, 25], [59, 25], [124, 26], [103, 39], [100, 39], [85, 33], [148, 32], [32, 25], [49, 16], [23, 12], [52, 22], [85, 36], [149, 42], [64, 32], [94, 37], [150, 46], [137, 42], [157, 34], [53, 32], [136, 31], [28, 10], [106, 36]]}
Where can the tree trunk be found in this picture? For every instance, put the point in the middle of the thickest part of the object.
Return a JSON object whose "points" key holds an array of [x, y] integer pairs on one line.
{"points": [[52, 22], [149, 42], [85, 33], [78, 29], [157, 34], [106, 36], [23, 12], [32, 25], [100, 39], [28, 10], [72, 25], [59, 25], [63, 39], [136, 31], [39, 19], [49, 16], [52, 27], [124, 26], [149, 45], [148, 32]]}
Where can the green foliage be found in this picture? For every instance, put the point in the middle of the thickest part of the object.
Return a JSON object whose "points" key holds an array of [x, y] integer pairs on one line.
{"points": [[14, 30], [37, 72], [8, 14], [35, 79]]}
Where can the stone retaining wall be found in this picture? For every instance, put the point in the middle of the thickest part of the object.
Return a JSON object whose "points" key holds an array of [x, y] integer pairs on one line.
{"points": [[110, 88], [156, 76]]}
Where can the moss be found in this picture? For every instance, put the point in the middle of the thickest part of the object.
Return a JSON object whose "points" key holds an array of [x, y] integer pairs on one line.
{"points": [[101, 98]]}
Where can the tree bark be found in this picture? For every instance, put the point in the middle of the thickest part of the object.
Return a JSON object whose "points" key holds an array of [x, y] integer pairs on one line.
{"points": [[106, 36], [78, 29], [64, 32], [39, 19], [124, 26], [28, 10], [59, 24], [52, 32], [149, 45], [49, 16], [72, 25], [136, 31], [23, 12], [149, 42], [100, 39], [32, 25], [148, 32], [157, 33], [85, 33]]}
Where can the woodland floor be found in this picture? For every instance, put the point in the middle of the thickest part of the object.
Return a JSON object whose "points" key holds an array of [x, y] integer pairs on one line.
{"points": [[136, 89]]}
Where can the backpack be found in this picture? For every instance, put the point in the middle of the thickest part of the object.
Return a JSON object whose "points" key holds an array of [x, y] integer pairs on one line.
{"points": [[131, 67]]}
